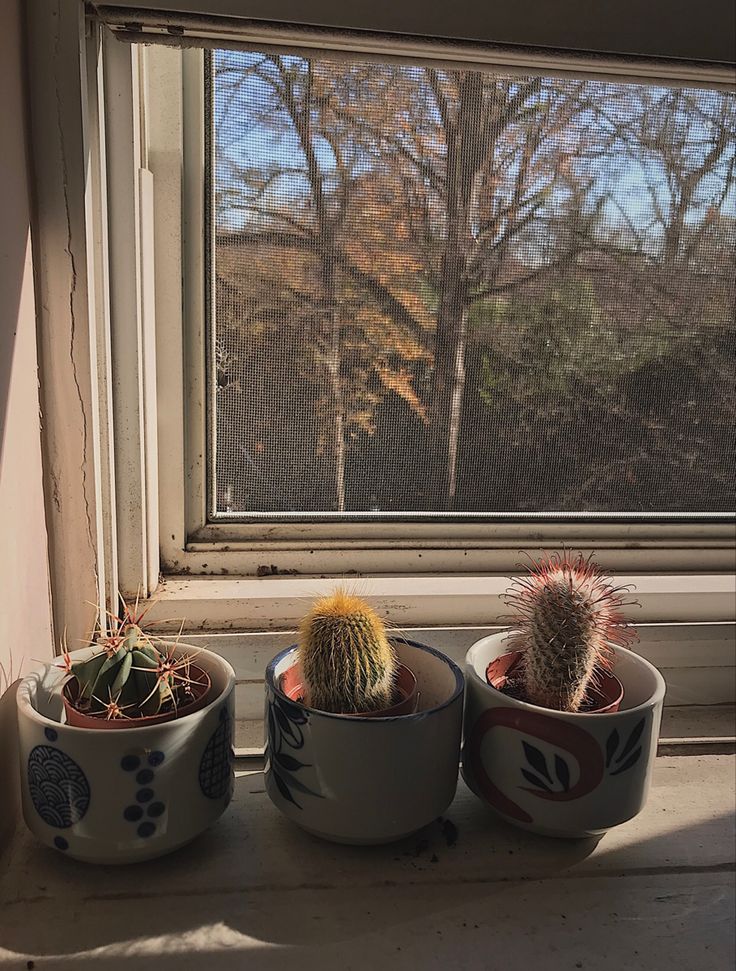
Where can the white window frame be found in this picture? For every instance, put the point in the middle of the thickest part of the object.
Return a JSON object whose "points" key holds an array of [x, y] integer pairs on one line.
{"points": [[147, 529], [340, 544]]}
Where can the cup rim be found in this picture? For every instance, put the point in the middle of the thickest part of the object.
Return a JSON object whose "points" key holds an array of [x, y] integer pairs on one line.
{"points": [[655, 698], [272, 684], [26, 707]]}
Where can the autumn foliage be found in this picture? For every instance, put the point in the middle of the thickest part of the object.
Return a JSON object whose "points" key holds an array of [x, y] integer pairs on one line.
{"points": [[453, 290]]}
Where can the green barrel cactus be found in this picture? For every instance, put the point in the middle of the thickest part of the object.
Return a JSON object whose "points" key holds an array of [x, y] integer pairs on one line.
{"points": [[348, 663], [133, 675], [568, 616]]}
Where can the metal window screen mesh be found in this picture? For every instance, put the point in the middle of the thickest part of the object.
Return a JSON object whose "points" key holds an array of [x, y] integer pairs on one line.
{"points": [[458, 291]]}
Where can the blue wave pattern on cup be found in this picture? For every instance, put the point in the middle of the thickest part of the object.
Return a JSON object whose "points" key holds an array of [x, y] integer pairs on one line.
{"points": [[58, 787]]}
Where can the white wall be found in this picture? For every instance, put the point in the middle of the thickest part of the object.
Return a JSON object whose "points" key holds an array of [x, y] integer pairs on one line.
{"points": [[25, 618], [25, 626]]}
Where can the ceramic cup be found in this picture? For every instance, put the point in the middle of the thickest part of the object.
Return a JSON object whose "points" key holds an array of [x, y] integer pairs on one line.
{"points": [[128, 795], [353, 779], [558, 773]]}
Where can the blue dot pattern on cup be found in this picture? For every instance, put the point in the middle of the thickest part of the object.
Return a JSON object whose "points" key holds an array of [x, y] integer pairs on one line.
{"points": [[51, 734], [60, 843], [134, 812]]}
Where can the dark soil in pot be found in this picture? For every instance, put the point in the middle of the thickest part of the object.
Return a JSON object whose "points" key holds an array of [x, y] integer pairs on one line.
{"points": [[604, 697], [80, 719], [406, 693]]}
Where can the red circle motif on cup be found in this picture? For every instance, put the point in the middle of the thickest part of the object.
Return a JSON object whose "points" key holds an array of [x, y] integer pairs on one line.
{"points": [[564, 735]]}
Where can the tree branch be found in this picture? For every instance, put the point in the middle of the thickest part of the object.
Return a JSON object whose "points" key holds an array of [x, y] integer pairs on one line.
{"points": [[439, 96], [381, 293]]}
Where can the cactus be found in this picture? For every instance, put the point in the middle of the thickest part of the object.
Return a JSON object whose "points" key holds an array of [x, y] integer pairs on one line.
{"points": [[348, 664], [133, 675], [568, 617]]}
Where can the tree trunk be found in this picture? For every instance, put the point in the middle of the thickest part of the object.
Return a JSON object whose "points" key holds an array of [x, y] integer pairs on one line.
{"points": [[334, 358], [448, 382], [301, 115], [464, 156]]}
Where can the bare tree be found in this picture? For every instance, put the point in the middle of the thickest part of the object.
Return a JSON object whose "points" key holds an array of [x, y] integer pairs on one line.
{"points": [[492, 173], [421, 194], [305, 101]]}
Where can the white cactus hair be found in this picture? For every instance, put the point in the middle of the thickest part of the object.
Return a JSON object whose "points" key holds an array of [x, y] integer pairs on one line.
{"points": [[567, 616]]}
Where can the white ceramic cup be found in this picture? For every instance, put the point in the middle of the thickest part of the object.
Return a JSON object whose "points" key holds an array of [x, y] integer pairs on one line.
{"points": [[119, 796], [559, 773], [366, 780]]}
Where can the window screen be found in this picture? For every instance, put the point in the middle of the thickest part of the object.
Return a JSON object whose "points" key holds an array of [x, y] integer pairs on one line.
{"points": [[446, 291]]}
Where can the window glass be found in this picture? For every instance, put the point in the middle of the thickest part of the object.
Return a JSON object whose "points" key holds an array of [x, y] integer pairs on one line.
{"points": [[443, 291]]}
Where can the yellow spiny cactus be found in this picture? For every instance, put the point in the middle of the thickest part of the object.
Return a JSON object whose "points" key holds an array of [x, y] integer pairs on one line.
{"points": [[348, 664]]}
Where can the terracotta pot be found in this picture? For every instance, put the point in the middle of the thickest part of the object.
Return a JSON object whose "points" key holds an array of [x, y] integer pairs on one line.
{"points": [[123, 796], [359, 779], [80, 719], [568, 774], [605, 696], [406, 693]]}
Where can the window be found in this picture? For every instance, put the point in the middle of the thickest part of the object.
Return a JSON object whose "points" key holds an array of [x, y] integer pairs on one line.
{"points": [[434, 315], [389, 311], [452, 291]]}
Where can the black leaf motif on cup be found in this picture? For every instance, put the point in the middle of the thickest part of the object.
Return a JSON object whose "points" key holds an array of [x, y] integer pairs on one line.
{"points": [[293, 712], [632, 760], [535, 780], [281, 718], [283, 725], [284, 789], [563, 772], [293, 783], [288, 762], [611, 746], [631, 741], [629, 754], [536, 759], [284, 721]]}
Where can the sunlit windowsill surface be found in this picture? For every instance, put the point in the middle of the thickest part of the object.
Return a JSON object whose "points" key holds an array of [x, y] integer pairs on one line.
{"points": [[256, 892], [277, 602]]}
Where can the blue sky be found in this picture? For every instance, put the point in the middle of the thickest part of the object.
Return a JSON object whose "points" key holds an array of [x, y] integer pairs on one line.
{"points": [[246, 139]]}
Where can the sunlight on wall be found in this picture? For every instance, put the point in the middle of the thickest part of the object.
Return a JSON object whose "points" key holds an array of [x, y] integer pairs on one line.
{"points": [[25, 631]]}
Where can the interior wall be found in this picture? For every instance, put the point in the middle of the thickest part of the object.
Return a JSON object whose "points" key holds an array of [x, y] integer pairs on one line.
{"points": [[25, 623]]}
